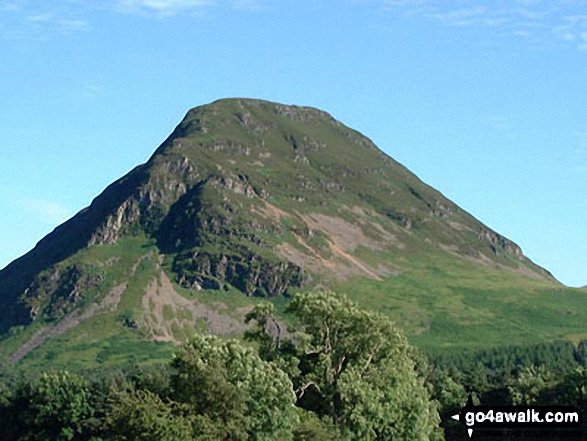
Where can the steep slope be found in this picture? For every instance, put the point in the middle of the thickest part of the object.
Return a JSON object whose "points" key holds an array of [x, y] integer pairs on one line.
{"points": [[250, 199]]}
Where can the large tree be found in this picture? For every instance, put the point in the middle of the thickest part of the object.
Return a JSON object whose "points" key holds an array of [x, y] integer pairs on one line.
{"points": [[351, 367], [218, 390], [56, 406], [229, 388]]}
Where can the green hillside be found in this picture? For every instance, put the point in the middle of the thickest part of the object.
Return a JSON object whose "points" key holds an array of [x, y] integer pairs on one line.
{"points": [[249, 200]]}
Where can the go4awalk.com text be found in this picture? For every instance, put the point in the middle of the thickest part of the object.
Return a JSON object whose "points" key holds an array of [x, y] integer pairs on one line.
{"points": [[518, 417]]}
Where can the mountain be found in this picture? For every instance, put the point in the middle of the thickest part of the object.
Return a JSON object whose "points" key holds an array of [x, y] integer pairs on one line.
{"points": [[249, 199]]}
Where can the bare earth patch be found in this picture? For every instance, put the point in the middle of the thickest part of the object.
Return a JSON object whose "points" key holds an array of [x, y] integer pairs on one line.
{"points": [[344, 238], [453, 249], [161, 299], [344, 234], [270, 211], [365, 218]]}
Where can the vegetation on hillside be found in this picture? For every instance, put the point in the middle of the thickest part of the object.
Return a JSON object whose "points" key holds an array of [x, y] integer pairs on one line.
{"points": [[247, 202], [345, 374], [340, 373], [267, 200]]}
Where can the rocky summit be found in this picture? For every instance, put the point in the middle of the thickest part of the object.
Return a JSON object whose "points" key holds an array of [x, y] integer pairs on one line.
{"points": [[250, 199]]}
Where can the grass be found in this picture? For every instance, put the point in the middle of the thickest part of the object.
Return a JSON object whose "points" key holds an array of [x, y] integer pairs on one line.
{"points": [[442, 301], [443, 304], [168, 313], [104, 338], [452, 304]]}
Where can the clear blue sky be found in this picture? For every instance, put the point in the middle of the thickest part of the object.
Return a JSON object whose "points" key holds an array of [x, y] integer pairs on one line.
{"points": [[484, 100]]}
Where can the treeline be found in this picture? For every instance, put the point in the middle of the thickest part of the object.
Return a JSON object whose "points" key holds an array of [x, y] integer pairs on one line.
{"points": [[543, 374], [341, 374]]}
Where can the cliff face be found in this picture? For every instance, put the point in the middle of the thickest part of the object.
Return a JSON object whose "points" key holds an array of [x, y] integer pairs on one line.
{"points": [[262, 198]]}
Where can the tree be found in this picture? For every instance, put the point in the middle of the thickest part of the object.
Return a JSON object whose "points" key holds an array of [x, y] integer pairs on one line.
{"points": [[449, 393], [529, 384], [57, 406], [354, 368], [142, 415], [571, 388], [232, 389]]}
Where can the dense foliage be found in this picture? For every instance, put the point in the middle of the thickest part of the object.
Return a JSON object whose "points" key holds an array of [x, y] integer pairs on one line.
{"points": [[345, 374], [352, 368], [545, 374], [340, 373]]}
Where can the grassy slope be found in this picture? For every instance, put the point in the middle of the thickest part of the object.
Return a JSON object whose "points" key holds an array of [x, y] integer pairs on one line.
{"points": [[102, 338], [446, 306], [444, 302]]}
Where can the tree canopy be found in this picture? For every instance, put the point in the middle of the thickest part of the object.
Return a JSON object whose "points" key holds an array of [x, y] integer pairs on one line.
{"points": [[339, 373], [351, 367]]}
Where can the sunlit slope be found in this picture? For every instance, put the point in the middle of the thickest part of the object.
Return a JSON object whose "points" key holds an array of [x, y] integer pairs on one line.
{"points": [[249, 200]]}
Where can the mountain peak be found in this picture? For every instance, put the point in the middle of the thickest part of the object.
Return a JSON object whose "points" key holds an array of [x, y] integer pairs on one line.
{"points": [[263, 199]]}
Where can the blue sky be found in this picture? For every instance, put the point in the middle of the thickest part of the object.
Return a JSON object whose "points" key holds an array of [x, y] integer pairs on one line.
{"points": [[484, 100]]}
